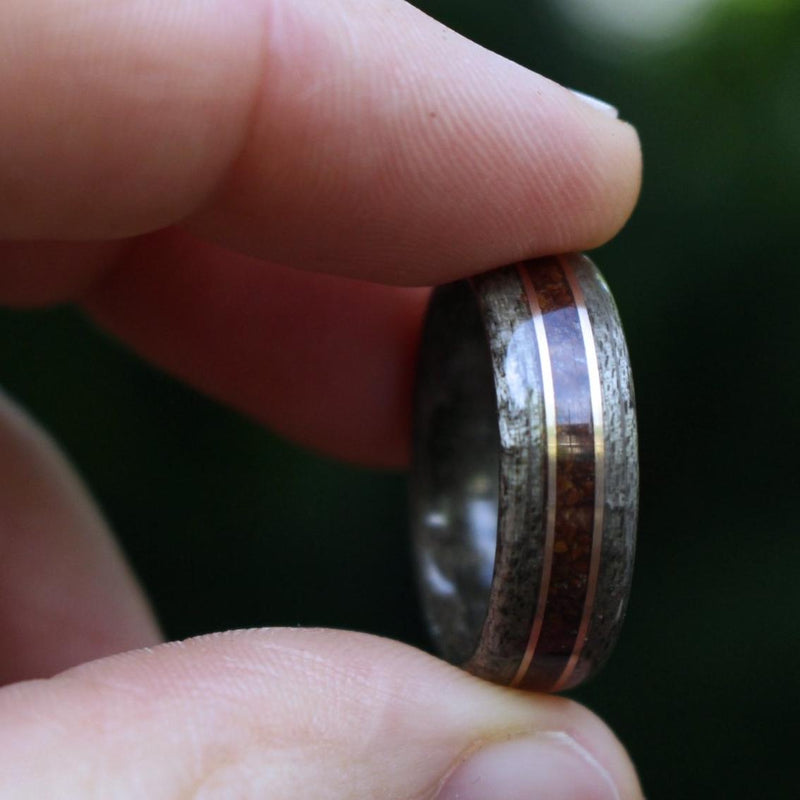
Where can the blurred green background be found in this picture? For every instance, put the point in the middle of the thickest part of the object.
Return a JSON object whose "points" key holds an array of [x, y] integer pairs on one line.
{"points": [[217, 516]]}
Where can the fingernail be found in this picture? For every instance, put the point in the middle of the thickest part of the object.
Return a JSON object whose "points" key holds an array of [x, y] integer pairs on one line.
{"points": [[600, 105], [545, 766]]}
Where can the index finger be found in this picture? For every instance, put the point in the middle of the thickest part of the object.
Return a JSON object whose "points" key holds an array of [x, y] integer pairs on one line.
{"points": [[357, 138]]}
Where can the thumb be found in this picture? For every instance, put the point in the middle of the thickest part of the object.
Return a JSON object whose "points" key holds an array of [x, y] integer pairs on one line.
{"points": [[298, 714]]}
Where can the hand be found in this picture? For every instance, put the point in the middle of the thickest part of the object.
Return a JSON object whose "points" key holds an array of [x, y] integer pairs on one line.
{"points": [[239, 189]]}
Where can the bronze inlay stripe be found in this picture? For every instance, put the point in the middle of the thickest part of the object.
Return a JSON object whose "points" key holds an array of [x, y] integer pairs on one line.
{"points": [[567, 562]]}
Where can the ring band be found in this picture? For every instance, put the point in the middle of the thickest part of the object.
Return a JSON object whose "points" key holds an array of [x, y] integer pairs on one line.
{"points": [[525, 475]]}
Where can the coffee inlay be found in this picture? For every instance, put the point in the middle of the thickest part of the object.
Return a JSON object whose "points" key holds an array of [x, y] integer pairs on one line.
{"points": [[574, 464]]}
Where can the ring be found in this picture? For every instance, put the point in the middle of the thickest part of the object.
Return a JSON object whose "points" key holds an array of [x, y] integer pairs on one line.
{"points": [[524, 486]]}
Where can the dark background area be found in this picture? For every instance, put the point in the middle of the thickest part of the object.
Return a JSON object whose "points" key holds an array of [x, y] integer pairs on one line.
{"points": [[229, 527]]}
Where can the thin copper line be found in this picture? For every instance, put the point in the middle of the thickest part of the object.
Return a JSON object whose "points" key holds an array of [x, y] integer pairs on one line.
{"points": [[596, 395], [549, 397]]}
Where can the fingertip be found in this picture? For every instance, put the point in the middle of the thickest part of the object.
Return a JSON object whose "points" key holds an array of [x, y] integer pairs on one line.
{"points": [[599, 171], [621, 183], [421, 156], [289, 713]]}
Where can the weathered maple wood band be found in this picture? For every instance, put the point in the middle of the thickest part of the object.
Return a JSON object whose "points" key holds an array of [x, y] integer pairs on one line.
{"points": [[525, 476]]}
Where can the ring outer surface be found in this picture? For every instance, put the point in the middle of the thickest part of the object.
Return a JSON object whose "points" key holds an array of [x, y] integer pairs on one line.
{"points": [[568, 478]]}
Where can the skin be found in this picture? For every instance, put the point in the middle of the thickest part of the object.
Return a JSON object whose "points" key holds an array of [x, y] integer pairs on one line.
{"points": [[274, 179]]}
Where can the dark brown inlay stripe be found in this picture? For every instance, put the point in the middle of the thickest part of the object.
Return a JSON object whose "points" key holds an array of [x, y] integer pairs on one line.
{"points": [[575, 475]]}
